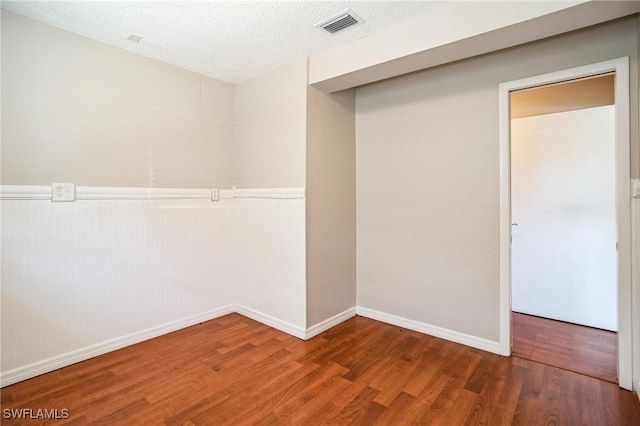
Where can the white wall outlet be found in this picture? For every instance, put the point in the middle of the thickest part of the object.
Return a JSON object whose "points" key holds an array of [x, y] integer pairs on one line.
{"points": [[63, 192], [215, 194]]}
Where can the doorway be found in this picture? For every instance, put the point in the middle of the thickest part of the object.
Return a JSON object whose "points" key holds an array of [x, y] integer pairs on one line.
{"points": [[563, 251], [617, 314]]}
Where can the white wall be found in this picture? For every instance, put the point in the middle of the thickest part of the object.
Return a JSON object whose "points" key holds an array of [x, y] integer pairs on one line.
{"points": [[82, 278], [80, 274], [564, 259], [270, 275]]}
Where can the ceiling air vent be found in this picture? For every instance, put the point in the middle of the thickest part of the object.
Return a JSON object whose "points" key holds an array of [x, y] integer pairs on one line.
{"points": [[134, 38], [339, 22]]}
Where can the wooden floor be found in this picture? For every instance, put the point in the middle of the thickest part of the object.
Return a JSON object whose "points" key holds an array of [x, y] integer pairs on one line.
{"points": [[233, 370], [585, 350]]}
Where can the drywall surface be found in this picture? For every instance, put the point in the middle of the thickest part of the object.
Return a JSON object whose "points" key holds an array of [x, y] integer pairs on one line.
{"points": [[580, 94], [331, 204], [564, 260], [453, 32], [270, 128], [270, 275], [86, 277], [80, 274], [427, 167], [76, 110]]}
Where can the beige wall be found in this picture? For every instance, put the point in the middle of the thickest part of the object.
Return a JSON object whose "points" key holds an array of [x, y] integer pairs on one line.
{"points": [[427, 163], [270, 128], [580, 94], [454, 31], [288, 134], [331, 204], [76, 110]]}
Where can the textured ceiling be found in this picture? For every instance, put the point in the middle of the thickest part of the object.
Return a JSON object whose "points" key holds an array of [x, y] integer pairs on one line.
{"points": [[229, 40]]}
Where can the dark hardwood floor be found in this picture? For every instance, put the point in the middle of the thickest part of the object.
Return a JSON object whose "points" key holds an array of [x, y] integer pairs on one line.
{"points": [[585, 350], [233, 370]]}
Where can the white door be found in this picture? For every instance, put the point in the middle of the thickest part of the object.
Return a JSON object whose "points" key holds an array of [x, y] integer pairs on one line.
{"points": [[563, 185]]}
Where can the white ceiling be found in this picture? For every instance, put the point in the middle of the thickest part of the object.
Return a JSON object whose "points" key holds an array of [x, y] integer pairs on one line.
{"points": [[228, 40]]}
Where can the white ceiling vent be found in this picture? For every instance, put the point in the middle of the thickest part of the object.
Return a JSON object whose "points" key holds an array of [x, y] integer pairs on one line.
{"points": [[341, 21]]}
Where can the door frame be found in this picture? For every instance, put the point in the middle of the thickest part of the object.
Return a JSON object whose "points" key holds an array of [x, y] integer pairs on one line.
{"points": [[623, 203]]}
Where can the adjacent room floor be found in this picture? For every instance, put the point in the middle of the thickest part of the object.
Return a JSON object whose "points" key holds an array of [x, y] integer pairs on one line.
{"points": [[233, 370], [585, 350]]}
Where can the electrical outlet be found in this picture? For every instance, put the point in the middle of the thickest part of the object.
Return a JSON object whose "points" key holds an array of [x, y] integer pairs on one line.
{"points": [[63, 192], [215, 194]]}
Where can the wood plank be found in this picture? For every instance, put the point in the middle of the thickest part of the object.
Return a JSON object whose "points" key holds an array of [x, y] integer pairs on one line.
{"points": [[233, 370], [573, 347]]}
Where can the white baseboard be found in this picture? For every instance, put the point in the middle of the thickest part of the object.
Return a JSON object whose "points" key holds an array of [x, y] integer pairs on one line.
{"points": [[329, 322], [432, 330], [69, 358], [276, 323], [45, 366]]}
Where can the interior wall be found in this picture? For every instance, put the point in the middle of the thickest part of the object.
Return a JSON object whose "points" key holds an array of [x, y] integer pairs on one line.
{"points": [[427, 163], [331, 204], [580, 94], [454, 31], [270, 128], [83, 278], [79, 111], [271, 264], [76, 275], [563, 198]]}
